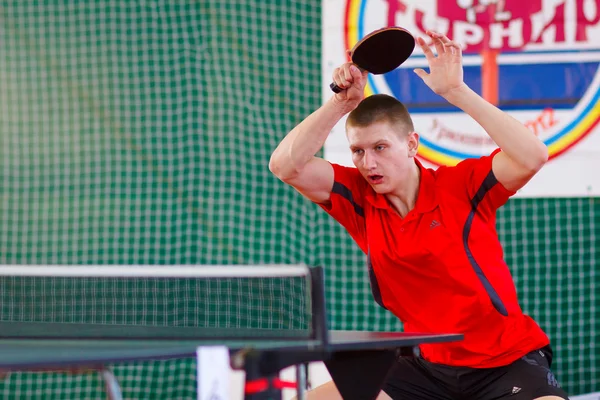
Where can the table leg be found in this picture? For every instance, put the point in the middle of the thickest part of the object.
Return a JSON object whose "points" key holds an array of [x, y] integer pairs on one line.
{"points": [[301, 380], [111, 383]]}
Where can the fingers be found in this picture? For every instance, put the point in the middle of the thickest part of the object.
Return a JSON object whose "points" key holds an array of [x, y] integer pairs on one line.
{"points": [[439, 46], [451, 45], [425, 48], [437, 42], [346, 75], [339, 77], [456, 49], [442, 44], [357, 74]]}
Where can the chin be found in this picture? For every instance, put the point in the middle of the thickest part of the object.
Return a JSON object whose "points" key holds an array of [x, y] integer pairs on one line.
{"points": [[381, 189]]}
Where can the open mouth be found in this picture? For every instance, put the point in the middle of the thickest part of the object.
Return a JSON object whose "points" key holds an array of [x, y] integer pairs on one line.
{"points": [[375, 179]]}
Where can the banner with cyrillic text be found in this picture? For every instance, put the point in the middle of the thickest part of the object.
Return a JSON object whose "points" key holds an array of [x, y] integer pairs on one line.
{"points": [[544, 55]]}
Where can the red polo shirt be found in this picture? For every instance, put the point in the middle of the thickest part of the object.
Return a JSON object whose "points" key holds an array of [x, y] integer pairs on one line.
{"points": [[440, 269]]}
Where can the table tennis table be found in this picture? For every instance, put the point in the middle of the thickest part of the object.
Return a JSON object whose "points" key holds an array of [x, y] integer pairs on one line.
{"points": [[357, 360], [260, 358]]}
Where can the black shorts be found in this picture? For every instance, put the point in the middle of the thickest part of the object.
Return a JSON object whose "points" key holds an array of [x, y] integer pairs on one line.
{"points": [[525, 379]]}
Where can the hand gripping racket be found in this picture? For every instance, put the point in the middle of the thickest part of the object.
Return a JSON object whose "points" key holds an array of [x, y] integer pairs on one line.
{"points": [[381, 51]]}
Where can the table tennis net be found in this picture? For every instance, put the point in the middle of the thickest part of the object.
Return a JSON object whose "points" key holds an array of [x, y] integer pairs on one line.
{"points": [[255, 306]]}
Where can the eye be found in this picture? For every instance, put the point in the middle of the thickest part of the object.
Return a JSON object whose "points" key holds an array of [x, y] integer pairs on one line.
{"points": [[358, 151], [379, 147]]}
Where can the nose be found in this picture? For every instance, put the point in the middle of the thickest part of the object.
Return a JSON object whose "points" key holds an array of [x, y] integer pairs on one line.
{"points": [[369, 161]]}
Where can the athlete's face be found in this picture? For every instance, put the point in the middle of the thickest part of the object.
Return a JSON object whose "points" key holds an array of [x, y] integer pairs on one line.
{"points": [[383, 155]]}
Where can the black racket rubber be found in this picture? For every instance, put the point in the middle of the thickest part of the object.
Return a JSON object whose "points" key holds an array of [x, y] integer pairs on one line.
{"points": [[381, 51]]}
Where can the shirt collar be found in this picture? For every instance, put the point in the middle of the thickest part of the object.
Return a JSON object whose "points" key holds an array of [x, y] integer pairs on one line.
{"points": [[426, 199]]}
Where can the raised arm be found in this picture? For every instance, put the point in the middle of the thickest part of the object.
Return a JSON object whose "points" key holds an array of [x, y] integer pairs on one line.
{"points": [[523, 154], [294, 161]]}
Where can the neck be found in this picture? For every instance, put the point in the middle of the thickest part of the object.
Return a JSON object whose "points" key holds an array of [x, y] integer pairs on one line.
{"points": [[404, 198]]}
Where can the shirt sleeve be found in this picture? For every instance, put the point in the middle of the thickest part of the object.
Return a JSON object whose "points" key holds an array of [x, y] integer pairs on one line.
{"points": [[346, 203], [477, 178]]}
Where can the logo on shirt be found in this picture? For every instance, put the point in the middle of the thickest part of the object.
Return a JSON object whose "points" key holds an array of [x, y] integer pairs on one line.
{"points": [[552, 380], [516, 390], [434, 224]]}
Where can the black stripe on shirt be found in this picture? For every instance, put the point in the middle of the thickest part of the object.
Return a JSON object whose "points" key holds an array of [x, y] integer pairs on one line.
{"points": [[374, 284], [488, 183], [339, 188]]}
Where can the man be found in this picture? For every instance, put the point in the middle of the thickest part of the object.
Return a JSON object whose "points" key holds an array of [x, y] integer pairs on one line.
{"points": [[434, 257]]}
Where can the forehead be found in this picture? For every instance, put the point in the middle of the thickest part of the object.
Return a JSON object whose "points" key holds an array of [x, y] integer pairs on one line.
{"points": [[373, 133]]}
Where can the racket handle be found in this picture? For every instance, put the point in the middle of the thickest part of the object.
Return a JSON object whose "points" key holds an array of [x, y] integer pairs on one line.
{"points": [[335, 88]]}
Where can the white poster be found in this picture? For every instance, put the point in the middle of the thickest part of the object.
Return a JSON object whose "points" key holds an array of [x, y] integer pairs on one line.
{"points": [[545, 56], [213, 372]]}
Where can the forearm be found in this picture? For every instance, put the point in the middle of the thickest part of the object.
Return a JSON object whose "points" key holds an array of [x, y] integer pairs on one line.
{"points": [[304, 141], [515, 140]]}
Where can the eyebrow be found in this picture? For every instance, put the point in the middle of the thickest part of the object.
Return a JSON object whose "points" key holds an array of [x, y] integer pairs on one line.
{"points": [[381, 141]]}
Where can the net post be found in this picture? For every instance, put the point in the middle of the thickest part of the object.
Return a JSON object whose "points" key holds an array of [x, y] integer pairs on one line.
{"points": [[318, 306]]}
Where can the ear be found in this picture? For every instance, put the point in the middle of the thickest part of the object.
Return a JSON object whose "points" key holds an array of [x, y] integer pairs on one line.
{"points": [[413, 143]]}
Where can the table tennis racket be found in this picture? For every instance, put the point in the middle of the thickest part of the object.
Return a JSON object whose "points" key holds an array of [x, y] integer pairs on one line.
{"points": [[381, 51]]}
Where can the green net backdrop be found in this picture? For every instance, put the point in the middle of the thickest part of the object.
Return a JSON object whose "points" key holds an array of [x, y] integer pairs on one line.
{"points": [[140, 132]]}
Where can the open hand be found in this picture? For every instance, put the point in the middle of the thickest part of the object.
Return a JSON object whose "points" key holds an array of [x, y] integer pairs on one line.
{"points": [[445, 69]]}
